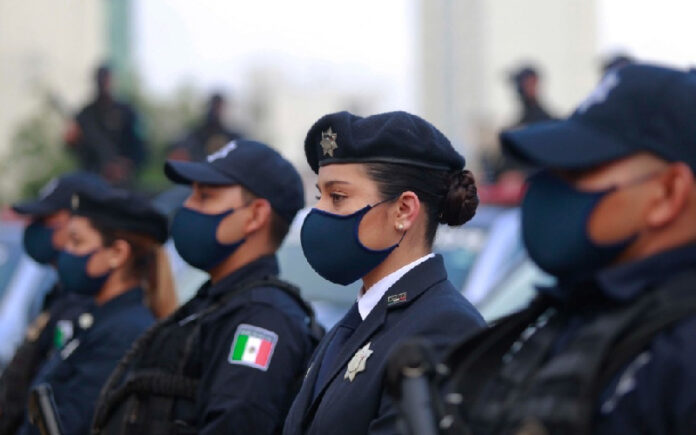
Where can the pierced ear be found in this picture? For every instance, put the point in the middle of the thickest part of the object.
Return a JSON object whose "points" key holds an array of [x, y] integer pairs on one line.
{"points": [[407, 211], [118, 253], [676, 186]]}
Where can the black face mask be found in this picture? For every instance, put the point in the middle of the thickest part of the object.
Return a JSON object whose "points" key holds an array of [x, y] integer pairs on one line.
{"points": [[38, 243], [555, 217], [332, 247], [195, 238]]}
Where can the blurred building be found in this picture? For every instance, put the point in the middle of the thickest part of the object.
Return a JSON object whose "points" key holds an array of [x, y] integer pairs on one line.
{"points": [[281, 111], [470, 47]]}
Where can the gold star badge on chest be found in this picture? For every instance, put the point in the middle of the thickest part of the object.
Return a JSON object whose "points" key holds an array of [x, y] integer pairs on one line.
{"points": [[357, 363], [328, 142]]}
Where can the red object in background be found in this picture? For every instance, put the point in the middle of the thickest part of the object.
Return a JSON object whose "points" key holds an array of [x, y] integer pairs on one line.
{"points": [[508, 190], [9, 215]]}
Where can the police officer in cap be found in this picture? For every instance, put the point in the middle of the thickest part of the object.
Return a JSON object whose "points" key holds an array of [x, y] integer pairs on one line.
{"points": [[44, 238], [113, 255], [385, 184], [610, 348], [230, 360]]}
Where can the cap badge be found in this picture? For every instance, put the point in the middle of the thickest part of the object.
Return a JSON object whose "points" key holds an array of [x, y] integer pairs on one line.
{"points": [[328, 142], [600, 93], [75, 202], [357, 363]]}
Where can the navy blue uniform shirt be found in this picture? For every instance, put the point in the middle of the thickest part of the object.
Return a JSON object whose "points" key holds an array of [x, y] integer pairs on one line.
{"points": [[422, 303], [79, 369], [244, 396], [656, 392]]}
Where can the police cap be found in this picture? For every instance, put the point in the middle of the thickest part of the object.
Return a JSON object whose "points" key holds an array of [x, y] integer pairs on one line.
{"points": [[635, 108], [56, 194], [253, 165], [393, 137], [120, 209]]}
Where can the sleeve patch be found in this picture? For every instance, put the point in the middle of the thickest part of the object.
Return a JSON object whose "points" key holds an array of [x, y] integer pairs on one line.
{"points": [[252, 346]]}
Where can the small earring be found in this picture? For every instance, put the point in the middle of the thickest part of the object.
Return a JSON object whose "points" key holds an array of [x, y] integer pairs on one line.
{"points": [[400, 227]]}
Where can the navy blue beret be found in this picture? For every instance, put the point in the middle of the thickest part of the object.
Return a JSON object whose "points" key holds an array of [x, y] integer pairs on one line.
{"points": [[393, 137], [120, 209]]}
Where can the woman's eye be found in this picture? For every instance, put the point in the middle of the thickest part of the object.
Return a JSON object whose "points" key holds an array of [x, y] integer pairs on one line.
{"points": [[317, 197], [335, 197]]}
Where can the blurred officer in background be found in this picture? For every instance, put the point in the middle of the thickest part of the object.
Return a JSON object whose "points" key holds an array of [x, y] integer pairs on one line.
{"points": [[114, 256], [208, 136], [231, 359], [105, 135], [611, 348], [44, 238], [526, 82], [385, 183]]}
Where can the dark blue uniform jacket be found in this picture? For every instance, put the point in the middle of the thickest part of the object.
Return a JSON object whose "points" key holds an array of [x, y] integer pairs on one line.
{"points": [[77, 372], [423, 303], [240, 399], [656, 393]]}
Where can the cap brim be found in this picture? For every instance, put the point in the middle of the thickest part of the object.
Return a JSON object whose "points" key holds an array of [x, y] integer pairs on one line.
{"points": [[35, 208], [562, 144], [198, 172]]}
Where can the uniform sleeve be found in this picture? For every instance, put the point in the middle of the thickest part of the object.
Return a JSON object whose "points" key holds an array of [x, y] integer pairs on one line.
{"points": [[77, 381], [243, 397]]}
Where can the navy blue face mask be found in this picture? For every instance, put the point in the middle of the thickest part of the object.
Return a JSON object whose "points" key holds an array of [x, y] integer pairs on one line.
{"points": [[332, 247], [555, 217], [72, 273], [38, 243], [195, 238]]}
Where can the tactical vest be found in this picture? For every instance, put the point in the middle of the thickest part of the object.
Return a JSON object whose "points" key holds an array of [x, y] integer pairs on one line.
{"points": [[505, 381], [153, 390]]}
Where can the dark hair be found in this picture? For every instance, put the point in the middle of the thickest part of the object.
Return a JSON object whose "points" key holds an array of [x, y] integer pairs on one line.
{"points": [[143, 258], [448, 197], [279, 227], [148, 263]]}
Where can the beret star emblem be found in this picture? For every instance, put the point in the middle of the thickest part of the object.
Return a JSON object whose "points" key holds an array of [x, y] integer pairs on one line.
{"points": [[328, 142]]}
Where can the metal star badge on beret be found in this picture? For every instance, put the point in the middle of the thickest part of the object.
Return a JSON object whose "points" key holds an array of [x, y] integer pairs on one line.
{"points": [[357, 363], [328, 142]]}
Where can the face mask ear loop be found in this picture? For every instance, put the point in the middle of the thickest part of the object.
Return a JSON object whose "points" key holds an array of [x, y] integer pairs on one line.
{"points": [[401, 239]]}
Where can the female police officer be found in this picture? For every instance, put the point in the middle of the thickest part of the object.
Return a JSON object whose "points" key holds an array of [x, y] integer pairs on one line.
{"points": [[385, 182], [113, 254]]}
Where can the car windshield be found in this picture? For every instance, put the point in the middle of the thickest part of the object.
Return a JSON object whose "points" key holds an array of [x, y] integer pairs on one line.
{"points": [[9, 258]]}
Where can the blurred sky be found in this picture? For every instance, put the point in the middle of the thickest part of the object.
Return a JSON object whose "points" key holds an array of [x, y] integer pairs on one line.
{"points": [[217, 43]]}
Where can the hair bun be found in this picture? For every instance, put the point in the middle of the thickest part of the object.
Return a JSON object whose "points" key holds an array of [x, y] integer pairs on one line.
{"points": [[461, 199]]}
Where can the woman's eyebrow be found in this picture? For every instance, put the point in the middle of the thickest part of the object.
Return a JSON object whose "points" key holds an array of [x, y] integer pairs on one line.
{"points": [[330, 183]]}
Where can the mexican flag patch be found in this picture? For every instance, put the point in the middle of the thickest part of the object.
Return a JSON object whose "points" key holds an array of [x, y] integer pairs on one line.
{"points": [[253, 346]]}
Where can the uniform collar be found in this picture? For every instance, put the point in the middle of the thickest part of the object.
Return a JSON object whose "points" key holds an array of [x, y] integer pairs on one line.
{"points": [[129, 298], [626, 282], [368, 300], [257, 269]]}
